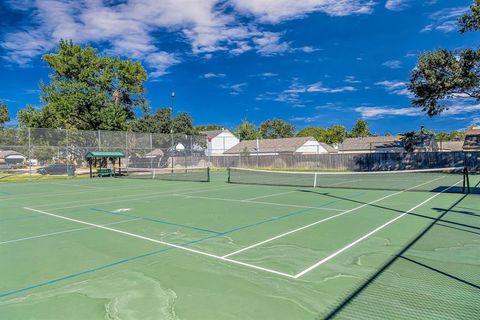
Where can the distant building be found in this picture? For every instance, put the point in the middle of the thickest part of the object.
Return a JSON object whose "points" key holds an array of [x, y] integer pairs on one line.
{"points": [[219, 141], [450, 146], [298, 145], [10, 157], [472, 140], [372, 144]]}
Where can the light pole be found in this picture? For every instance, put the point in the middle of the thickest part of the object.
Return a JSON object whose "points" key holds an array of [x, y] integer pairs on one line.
{"points": [[172, 97]]}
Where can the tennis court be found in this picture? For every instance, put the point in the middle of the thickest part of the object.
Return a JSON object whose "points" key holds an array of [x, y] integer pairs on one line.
{"points": [[266, 247]]}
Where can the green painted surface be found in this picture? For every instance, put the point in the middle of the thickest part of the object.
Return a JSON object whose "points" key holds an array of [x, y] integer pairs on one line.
{"points": [[52, 268]]}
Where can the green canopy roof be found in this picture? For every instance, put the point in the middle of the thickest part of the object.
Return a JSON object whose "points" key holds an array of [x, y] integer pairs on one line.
{"points": [[105, 154]]}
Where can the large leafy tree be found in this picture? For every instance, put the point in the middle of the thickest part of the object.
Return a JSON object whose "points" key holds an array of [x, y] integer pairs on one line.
{"points": [[443, 74], [276, 128], [247, 131], [360, 129], [335, 134], [88, 91], [161, 122], [4, 114], [316, 132]]}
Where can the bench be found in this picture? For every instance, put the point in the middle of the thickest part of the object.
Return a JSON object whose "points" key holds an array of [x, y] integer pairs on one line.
{"points": [[104, 173]]}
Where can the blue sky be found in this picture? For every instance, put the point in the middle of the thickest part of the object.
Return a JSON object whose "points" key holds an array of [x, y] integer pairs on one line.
{"points": [[310, 62]]}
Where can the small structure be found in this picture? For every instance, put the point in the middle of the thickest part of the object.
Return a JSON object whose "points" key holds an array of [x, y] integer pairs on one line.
{"points": [[472, 140], [219, 141], [298, 145], [11, 158], [100, 159]]}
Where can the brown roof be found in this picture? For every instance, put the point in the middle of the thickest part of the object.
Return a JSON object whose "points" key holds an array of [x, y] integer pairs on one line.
{"points": [[270, 145], [367, 143], [211, 133], [472, 140]]}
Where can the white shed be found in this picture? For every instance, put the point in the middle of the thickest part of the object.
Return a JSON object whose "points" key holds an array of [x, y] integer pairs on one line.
{"points": [[219, 141]]}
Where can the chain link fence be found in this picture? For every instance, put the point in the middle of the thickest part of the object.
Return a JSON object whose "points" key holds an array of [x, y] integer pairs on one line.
{"points": [[29, 152]]}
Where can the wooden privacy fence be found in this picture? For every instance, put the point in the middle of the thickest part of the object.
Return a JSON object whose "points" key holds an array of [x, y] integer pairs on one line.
{"points": [[346, 161]]}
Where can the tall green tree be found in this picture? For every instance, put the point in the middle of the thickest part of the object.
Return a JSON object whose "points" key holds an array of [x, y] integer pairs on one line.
{"points": [[183, 123], [443, 74], [208, 127], [316, 132], [161, 122], [360, 129], [276, 128], [247, 131], [335, 134], [4, 114], [88, 91]]}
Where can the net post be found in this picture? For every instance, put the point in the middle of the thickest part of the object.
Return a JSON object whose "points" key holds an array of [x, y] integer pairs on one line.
{"points": [[315, 181], [228, 177], [466, 181], [208, 174]]}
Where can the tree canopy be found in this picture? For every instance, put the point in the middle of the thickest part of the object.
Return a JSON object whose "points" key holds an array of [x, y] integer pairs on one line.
{"points": [[333, 135], [360, 129], [4, 114], [247, 131], [88, 91], [443, 75], [161, 122], [276, 128], [316, 132]]}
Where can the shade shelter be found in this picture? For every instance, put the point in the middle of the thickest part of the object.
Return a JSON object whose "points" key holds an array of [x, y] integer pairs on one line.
{"points": [[99, 160]]}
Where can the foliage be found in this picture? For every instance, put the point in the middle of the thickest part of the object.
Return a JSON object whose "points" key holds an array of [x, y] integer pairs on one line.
{"points": [[4, 115], [316, 132], [443, 75], [87, 91], [276, 128], [449, 136], [158, 122], [410, 140], [335, 134], [471, 21], [247, 131], [360, 129], [208, 127]]}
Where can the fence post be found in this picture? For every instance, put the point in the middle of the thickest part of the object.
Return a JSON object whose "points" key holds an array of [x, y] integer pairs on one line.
{"points": [[99, 141], [67, 154], [29, 155]]}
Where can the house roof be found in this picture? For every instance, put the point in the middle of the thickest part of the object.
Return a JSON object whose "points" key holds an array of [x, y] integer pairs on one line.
{"points": [[451, 145], [105, 154], [472, 140], [212, 133], [367, 143], [269, 145], [6, 153]]}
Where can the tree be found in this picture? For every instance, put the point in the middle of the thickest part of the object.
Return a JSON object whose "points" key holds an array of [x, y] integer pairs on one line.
{"points": [[443, 75], [360, 129], [88, 91], [247, 131], [182, 123], [410, 140], [318, 133], [4, 114], [335, 134], [208, 127], [161, 122], [276, 128], [471, 21]]}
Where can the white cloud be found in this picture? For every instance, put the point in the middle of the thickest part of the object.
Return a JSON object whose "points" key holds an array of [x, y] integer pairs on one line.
{"points": [[445, 20], [379, 112], [397, 5], [351, 79], [275, 11], [392, 64], [310, 119], [213, 75], [235, 89], [395, 87], [318, 87]]}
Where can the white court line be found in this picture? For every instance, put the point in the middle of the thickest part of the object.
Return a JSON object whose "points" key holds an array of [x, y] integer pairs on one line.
{"points": [[133, 197], [64, 231], [162, 242], [322, 220], [298, 275], [270, 195], [260, 202], [76, 185]]}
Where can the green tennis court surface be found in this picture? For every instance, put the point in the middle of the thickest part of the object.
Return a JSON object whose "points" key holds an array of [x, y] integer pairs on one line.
{"points": [[143, 249]]}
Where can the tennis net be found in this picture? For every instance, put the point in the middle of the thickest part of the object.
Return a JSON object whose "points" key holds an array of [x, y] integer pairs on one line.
{"points": [[176, 174], [436, 180]]}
